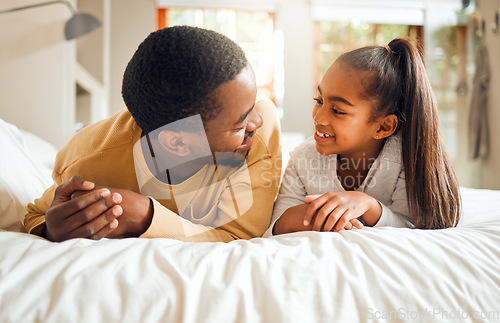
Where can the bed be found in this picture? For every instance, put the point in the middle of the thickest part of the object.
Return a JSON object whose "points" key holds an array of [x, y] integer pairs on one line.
{"points": [[373, 274]]}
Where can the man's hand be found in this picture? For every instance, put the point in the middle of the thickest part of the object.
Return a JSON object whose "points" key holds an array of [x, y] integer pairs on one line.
{"points": [[91, 215], [137, 211]]}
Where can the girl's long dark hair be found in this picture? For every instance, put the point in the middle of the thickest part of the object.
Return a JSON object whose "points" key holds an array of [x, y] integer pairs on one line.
{"points": [[399, 84]]}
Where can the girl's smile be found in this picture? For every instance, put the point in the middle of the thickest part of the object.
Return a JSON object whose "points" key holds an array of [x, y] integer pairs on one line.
{"points": [[322, 137]]}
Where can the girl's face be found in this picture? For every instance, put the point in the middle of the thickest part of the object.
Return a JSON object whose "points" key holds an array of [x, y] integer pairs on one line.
{"points": [[342, 117]]}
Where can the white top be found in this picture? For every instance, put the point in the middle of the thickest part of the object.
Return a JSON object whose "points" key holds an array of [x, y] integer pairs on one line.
{"points": [[308, 172]]}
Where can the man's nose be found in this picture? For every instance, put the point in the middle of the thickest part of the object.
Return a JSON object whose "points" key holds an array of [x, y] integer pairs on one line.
{"points": [[255, 121]]}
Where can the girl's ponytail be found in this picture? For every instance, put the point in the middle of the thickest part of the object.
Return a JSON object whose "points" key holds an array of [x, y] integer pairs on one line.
{"points": [[431, 185]]}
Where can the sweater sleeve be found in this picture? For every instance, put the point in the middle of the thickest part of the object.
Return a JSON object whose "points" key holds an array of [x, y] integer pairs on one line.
{"points": [[99, 153], [252, 223], [34, 221], [397, 215], [251, 192]]}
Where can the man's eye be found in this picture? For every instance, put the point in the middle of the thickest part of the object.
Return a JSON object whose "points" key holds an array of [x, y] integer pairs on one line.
{"points": [[242, 127]]}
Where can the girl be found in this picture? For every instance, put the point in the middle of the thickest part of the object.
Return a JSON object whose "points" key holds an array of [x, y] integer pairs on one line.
{"points": [[376, 157]]}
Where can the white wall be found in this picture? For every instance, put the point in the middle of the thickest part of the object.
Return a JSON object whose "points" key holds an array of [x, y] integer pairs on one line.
{"points": [[294, 19], [491, 165], [89, 49], [131, 22], [36, 64]]}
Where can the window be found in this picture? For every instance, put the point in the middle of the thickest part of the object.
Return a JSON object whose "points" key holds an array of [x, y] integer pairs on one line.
{"points": [[447, 57], [253, 30], [449, 79], [334, 38]]}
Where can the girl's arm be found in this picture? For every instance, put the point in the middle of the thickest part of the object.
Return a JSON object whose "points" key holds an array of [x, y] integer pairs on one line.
{"points": [[333, 211], [292, 192], [292, 220], [397, 215]]}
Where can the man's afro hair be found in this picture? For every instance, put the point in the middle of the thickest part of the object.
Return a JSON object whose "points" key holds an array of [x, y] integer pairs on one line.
{"points": [[174, 72]]}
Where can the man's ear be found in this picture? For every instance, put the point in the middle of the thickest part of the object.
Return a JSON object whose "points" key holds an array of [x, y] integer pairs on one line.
{"points": [[174, 142], [387, 126]]}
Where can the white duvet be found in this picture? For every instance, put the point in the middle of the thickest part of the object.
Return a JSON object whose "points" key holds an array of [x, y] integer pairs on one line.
{"points": [[373, 274]]}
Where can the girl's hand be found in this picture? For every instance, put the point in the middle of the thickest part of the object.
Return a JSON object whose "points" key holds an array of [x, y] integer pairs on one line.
{"points": [[292, 220], [334, 210]]}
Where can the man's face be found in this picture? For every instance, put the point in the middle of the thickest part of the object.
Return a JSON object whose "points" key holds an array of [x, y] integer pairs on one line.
{"points": [[233, 128]]}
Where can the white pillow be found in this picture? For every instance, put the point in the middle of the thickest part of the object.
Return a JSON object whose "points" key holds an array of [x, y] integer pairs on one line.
{"points": [[24, 175]]}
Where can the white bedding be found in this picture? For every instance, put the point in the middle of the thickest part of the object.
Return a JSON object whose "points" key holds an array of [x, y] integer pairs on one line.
{"points": [[373, 274], [381, 274]]}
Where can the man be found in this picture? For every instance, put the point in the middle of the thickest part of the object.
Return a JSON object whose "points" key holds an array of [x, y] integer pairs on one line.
{"points": [[194, 141]]}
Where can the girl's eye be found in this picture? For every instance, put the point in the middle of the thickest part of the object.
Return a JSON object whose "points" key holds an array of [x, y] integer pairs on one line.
{"points": [[337, 111], [318, 101]]}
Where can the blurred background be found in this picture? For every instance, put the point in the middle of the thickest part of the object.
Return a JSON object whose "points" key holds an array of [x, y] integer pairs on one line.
{"points": [[53, 87]]}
